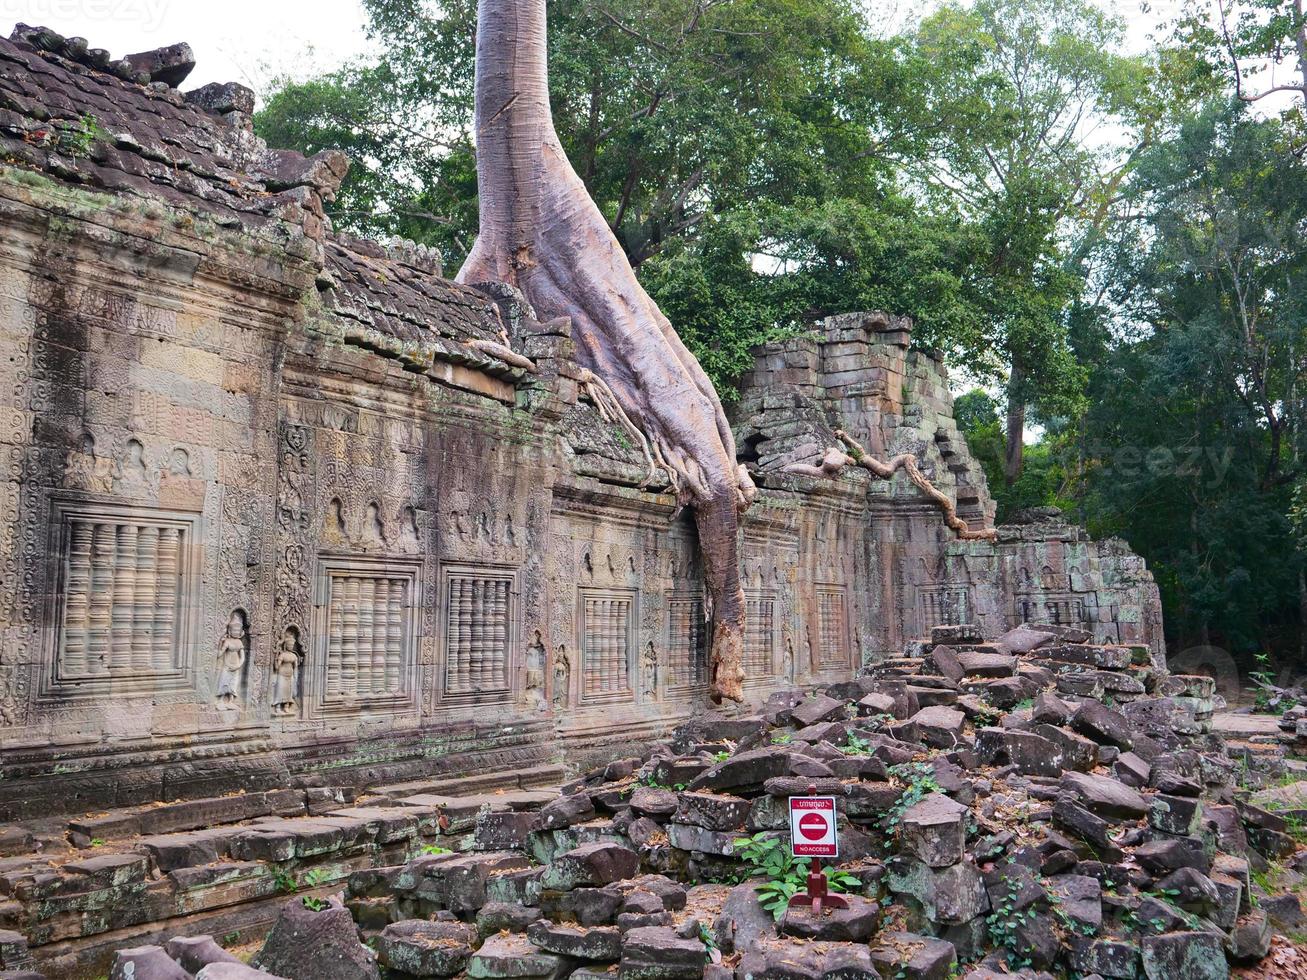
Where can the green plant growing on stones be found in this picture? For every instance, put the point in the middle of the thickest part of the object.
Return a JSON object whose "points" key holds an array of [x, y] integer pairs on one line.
{"points": [[1003, 923], [285, 881], [75, 139], [769, 858], [1024, 705], [97, 842], [711, 952], [782, 738], [435, 849], [721, 756], [314, 904], [919, 782], [856, 745], [315, 876]]}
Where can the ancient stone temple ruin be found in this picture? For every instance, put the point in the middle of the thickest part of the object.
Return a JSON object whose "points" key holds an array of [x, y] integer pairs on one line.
{"points": [[277, 514], [291, 518]]}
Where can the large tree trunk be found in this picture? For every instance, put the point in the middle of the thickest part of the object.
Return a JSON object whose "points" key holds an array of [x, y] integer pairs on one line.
{"points": [[1015, 443], [541, 232]]}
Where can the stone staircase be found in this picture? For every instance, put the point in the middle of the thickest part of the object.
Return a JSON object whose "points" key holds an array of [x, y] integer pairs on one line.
{"points": [[74, 890]]}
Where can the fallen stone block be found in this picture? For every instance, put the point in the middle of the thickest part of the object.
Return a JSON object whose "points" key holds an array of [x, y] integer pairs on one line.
{"points": [[192, 953], [426, 949], [1250, 940], [939, 726], [506, 957], [819, 708], [934, 830], [1030, 754], [312, 942], [712, 811], [590, 865], [947, 895], [1179, 816], [1191, 955], [602, 943], [1104, 797], [854, 924], [658, 953], [913, 957], [745, 770], [1105, 726], [146, 963]]}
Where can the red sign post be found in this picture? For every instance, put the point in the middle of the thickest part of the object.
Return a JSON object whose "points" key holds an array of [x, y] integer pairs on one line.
{"points": [[814, 834]]}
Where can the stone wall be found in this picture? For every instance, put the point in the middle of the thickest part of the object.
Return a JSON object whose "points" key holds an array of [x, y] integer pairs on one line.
{"points": [[277, 513], [857, 372]]}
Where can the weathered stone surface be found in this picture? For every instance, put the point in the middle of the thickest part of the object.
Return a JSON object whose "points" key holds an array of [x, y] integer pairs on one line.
{"points": [[192, 953], [1113, 959], [581, 942], [1250, 940], [934, 830], [948, 895], [712, 811], [1050, 709], [168, 65], [854, 924], [913, 957], [1105, 797], [743, 921], [1030, 754], [426, 949], [1095, 720], [820, 708], [939, 726], [1192, 955], [654, 801], [1176, 815], [660, 954], [507, 957], [146, 963], [324, 944], [590, 865], [745, 770]]}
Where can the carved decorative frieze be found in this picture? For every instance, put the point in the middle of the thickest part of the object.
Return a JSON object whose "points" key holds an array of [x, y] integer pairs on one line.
{"points": [[123, 602], [479, 629], [365, 635], [1058, 608], [687, 640], [760, 635], [939, 605], [832, 628], [607, 642]]}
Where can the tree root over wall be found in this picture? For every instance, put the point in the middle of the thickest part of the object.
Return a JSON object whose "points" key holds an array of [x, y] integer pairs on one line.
{"points": [[541, 233], [836, 459]]}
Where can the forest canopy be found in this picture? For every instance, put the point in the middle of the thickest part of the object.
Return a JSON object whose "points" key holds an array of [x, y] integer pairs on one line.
{"points": [[1103, 238]]}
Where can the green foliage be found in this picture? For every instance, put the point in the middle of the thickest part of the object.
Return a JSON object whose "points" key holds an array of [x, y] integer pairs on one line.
{"points": [[434, 849], [314, 904], [767, 856], [918, 780], [855, 744], [1191, 446], [1004, 923]]}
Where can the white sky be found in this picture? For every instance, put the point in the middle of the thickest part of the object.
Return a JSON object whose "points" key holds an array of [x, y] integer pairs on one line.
{"points": [[252, 41]]}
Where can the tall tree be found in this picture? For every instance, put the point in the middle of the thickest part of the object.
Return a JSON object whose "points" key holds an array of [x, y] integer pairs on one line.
{"points": [[1015, 99], [673, 111], [541, 232], [1196, 423]]}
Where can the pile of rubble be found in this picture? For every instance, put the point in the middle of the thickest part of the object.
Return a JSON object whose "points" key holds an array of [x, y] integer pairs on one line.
{"points": [[1039, 805]]}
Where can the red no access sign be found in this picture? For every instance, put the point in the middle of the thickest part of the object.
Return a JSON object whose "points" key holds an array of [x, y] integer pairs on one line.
{"points": [[812, 827]]}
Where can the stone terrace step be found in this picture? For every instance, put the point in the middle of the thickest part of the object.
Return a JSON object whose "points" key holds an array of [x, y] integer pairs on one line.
{"points": [[532, 778], [185, 815]]}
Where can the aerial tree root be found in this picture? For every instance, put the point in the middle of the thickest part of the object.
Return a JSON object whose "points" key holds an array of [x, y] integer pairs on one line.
{"points": [[835, 460], [541, 233]]}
